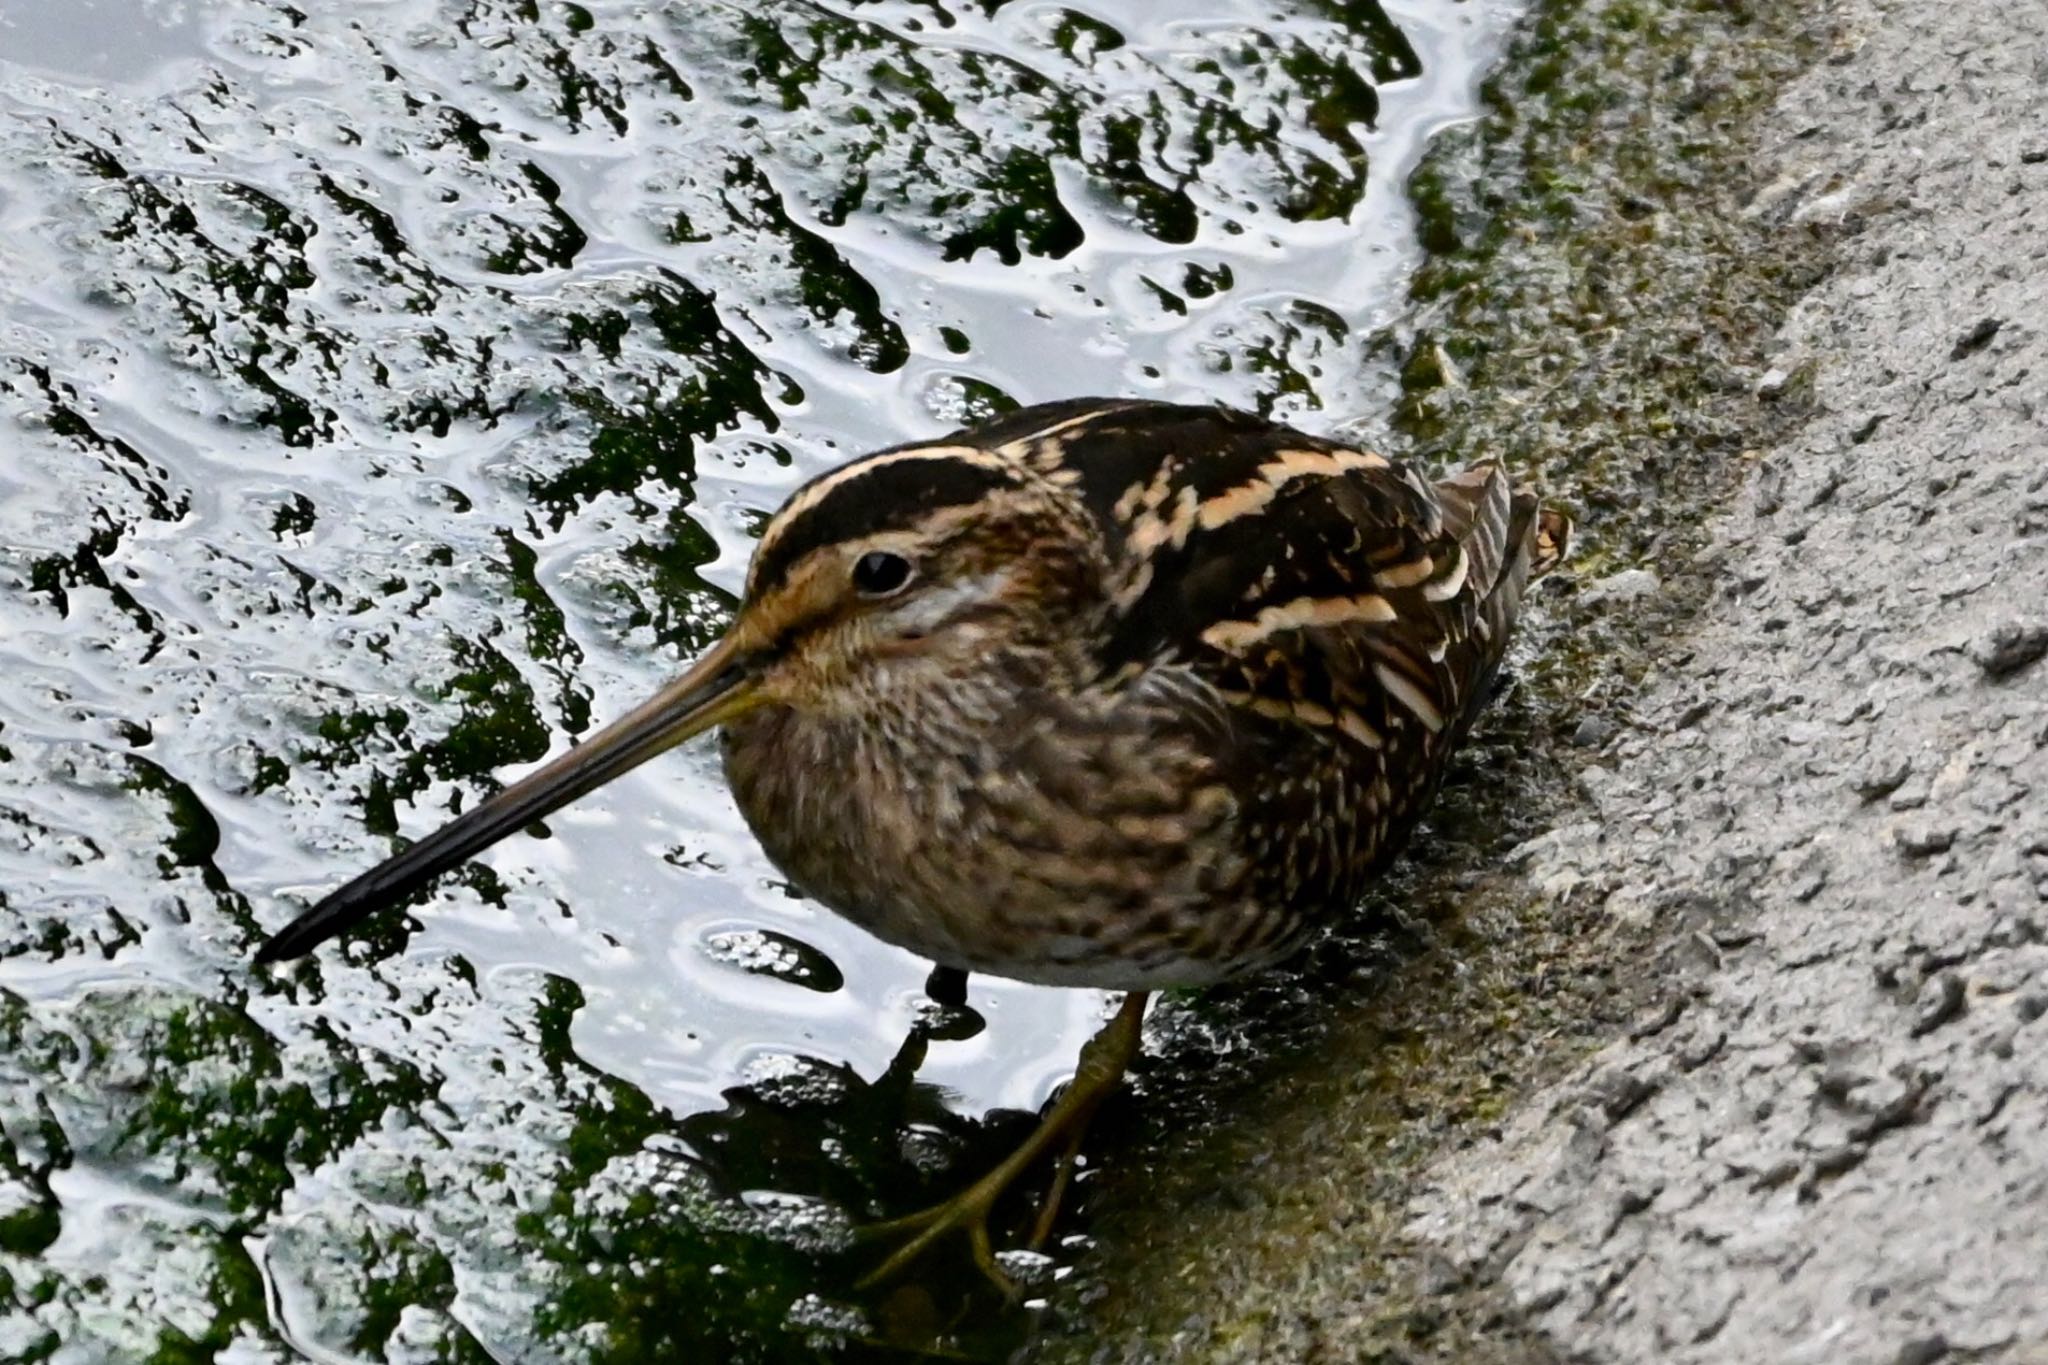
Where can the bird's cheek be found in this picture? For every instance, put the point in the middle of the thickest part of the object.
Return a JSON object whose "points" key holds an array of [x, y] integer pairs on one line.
{"points": [[818, 678], [785, 680], [791, 686]]}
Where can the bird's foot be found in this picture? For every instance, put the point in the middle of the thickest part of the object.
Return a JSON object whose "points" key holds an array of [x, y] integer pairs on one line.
{"points": [[1103, 1062], [966, 1212]]}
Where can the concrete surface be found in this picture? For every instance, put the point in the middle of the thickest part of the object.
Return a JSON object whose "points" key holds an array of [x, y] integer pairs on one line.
{"points": [[1829, 1140]]}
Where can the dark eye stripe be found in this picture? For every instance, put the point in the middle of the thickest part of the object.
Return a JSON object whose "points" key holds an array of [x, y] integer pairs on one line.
{"points": [[897, 494]]}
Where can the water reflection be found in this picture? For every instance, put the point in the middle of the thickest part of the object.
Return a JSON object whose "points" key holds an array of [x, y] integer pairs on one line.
{"points": [[393, 393]]}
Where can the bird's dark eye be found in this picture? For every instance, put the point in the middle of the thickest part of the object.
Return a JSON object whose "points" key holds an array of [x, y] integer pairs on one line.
{"points": [[879, 573]]}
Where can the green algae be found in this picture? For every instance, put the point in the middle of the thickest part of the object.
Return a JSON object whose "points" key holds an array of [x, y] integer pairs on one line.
{"points": [[234, 1290], [212, 1101], [30, 1218]]}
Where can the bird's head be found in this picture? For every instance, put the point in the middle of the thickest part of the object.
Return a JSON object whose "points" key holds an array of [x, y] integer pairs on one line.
{"points": [[887, 583], [909, 570]]}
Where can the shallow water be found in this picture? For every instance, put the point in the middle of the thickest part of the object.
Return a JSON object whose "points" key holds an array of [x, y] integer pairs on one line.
{"points": [[391, 392]]}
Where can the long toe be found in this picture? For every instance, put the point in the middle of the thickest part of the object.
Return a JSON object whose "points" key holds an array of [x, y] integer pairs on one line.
{"points": [[966, 1212]]}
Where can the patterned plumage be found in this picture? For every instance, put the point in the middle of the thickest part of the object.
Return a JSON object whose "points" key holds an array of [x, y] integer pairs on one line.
{"points": [[1222, 687]]}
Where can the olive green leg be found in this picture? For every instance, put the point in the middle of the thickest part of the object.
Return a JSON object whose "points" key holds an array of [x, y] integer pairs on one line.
{"points": [[1103, 1062]]}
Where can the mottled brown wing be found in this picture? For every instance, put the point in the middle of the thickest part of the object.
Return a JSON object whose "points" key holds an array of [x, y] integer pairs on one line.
{"points": [[1309, 581], [1362, 602]]}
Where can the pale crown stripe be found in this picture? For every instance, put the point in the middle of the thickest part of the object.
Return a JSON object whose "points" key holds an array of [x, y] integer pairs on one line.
{"points": [[804, 501]]}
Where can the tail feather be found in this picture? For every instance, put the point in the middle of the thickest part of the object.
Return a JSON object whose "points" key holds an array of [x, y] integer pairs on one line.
{"points": [[1540, 537], [1494, 522], [1478, 514], [1507, 538], [1510, 539]]}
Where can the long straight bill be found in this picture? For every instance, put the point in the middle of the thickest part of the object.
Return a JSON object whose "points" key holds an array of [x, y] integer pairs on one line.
{"points": [[717, 689]]}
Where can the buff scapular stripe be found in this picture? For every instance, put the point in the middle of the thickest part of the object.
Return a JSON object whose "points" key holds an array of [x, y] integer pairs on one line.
{"points": [[1299, 614], [1271, 478]]}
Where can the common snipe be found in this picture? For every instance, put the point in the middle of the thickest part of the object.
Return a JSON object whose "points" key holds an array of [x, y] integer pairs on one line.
{"points": [[1104, 693]]}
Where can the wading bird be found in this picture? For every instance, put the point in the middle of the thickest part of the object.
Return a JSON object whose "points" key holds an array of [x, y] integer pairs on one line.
{"points": [[1103, 693]]}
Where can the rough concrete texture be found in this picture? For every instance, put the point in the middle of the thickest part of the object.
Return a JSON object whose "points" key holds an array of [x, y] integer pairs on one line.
{"points": [[1830, 1143]]}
